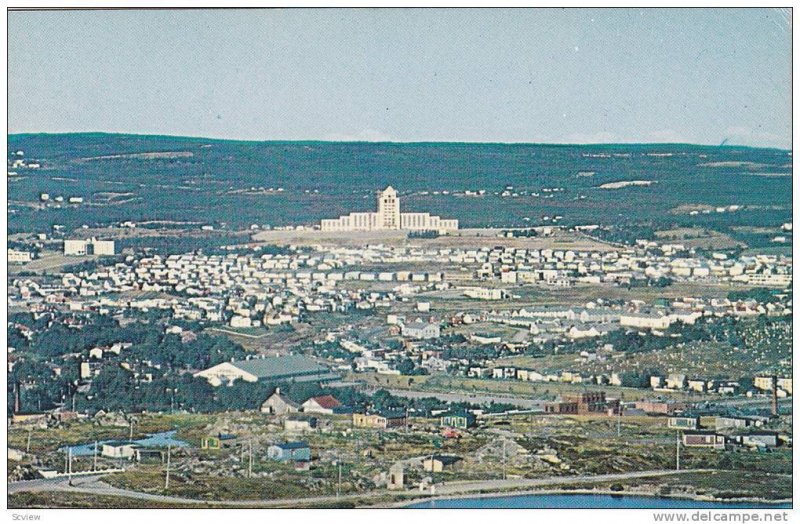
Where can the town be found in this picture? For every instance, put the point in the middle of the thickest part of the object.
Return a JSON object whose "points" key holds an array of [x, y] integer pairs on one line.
{"points": [[264, 372]]}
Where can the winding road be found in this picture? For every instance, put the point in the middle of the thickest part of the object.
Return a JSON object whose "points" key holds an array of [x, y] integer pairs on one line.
{"points": [[94, 486]]}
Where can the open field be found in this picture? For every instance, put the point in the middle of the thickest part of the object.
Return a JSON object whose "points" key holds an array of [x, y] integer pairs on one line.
{"points": [[697, 237], [49, 262], [470, 238]]}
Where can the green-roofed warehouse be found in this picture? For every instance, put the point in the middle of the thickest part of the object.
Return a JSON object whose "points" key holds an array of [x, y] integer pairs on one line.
{"points": [[288, 368]]}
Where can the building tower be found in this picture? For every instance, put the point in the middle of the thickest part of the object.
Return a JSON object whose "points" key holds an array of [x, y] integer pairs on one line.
{"points": [[388, 209]]}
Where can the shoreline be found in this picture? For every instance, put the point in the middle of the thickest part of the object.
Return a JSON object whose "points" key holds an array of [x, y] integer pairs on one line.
{"points": [[586, 491]]}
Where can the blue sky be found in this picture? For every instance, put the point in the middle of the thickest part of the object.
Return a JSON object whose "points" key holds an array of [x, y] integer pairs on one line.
{"points": [[552, 75]]}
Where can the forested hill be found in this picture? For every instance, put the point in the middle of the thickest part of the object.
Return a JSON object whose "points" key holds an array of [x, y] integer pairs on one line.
{"points": [[235, 184]]}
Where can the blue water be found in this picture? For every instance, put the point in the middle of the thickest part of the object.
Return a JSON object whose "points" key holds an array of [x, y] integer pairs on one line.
{"points": [[583, 502], [155, 440]]}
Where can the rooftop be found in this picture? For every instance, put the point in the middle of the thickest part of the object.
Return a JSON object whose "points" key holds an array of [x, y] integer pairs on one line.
{"points": [[279, 367]]}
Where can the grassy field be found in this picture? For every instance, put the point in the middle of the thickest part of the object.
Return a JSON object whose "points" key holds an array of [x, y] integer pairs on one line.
{"points": [[697, 237], [49, 262]]}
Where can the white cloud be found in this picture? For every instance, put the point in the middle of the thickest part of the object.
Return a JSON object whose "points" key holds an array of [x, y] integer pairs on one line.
{"points": [[365, 135]]}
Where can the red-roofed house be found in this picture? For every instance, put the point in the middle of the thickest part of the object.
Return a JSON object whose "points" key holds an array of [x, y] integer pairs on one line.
{"points": [[325, 404]]}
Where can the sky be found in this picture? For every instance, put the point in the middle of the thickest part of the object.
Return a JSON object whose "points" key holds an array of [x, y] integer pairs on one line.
{"points": [[473, 75]]}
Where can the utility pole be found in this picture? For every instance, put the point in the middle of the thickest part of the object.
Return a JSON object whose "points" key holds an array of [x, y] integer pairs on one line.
{"points": [[677, 451], [250, 462], [339, 482], [130, 435], [619, 420], [69, 475], [169, 456], [94, 467], [504, 459], [28, 445]]}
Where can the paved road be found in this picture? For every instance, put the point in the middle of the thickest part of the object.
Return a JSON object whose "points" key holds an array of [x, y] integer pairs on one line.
{"points": [[501, 485], [92, 485], [473, 398]]}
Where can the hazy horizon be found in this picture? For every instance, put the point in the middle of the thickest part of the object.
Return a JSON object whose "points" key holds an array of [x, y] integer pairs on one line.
{"points": [[410, 142]]}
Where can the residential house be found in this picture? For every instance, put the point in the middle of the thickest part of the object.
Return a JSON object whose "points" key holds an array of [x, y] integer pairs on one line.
{"points": [[703, 439], [384, 420], [279, 404], [290, 451], [324, 404]]}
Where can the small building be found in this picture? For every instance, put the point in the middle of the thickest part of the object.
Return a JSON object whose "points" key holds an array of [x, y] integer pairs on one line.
{"points": [[439, 463], [585, 403], [733, 422], [279, 404], [420, 330], [290, 451], [561, 408], [683, 422], [118, 449], [767, 439], [703, 439], [396, 476], [324, 404], [299, 423], [464, 420], [16, 256], [32, 419], [383, 420], [660, 407]]}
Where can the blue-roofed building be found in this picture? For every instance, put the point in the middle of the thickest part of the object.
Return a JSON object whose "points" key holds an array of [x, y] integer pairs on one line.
{"points": [[290, 451]]}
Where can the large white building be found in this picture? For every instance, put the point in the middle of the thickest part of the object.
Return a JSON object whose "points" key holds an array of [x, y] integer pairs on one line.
{"points": [[88, 247], [389, 217]]}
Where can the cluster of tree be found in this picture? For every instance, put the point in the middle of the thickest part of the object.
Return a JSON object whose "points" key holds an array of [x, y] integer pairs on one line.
{"points": [[428, 233], [383, 400], [406, 366], [522, 233], [53, 338], [626, 233], [651, 282], [24, 246], [90, 266], [470, 352], [759, 294], [168, 245]]}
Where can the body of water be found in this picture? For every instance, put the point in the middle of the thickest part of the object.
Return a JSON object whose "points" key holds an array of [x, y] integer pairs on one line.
{"points": [[559, 501], [154, 440]]}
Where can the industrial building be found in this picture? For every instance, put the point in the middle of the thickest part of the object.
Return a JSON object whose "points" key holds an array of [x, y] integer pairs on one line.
{"points": [[589, 402], [294, 368]]}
